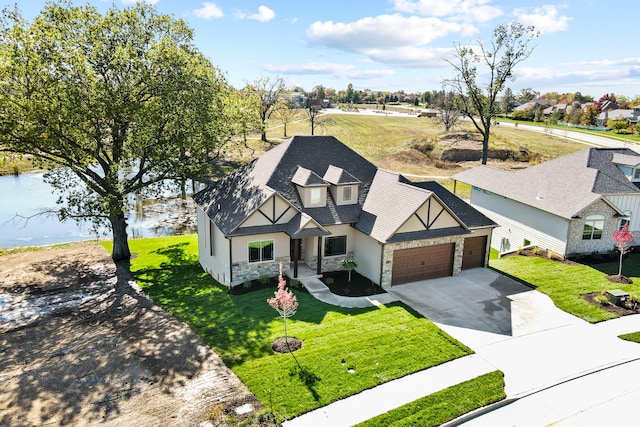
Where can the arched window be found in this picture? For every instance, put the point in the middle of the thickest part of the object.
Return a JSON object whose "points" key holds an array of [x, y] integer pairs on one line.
{"points": [[593, 226]]}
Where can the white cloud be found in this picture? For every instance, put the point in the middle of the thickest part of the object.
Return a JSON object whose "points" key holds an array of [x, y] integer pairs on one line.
{"points": [[264, 14], [208, 11], [380, 32], [327, 68], [412, 57], [141, 1], [545, 19], [461, 10]]}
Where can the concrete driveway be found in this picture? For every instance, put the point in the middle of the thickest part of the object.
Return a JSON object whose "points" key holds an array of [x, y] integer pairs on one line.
{"points": [[517, 329], [480, 306]]}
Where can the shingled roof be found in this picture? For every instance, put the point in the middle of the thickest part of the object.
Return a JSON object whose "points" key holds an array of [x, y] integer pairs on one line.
{"points": [[563, 186], [385, 199], [229, 201]]}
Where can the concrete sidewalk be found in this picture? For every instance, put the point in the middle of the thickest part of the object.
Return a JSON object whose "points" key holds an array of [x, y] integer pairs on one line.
{"points": [[393, 394]]}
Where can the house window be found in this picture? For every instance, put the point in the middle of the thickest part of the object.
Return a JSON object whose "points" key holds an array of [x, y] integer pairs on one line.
{"points": [[314, 196], [636, 174], [625, 220], [334, 246], [211, 233], [261, 251], [593, 226], [346, 194]]}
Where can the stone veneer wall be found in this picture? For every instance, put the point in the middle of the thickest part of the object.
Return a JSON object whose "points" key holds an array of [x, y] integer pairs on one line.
{"points": [[246, 271], [390, 248], [575, 243]]}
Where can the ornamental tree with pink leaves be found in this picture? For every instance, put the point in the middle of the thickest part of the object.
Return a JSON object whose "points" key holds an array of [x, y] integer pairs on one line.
{"points": [[623, 240], [284, 302]]}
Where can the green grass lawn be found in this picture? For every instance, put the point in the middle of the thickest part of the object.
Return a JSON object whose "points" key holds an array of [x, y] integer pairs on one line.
{"points": [[376, 344], [445, 405], [564, 283], [634, 337]]}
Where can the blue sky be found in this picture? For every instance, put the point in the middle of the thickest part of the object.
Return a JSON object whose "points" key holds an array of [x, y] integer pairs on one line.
{"points": [[585, 46]]}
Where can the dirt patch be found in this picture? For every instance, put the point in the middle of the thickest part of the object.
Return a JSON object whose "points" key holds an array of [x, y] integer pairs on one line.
{"points": [[286, 345], [80, 344]]}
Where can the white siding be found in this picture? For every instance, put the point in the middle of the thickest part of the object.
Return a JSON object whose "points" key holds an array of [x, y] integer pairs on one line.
{"points": [[241, 245], [217, 265], [430, 212], [628, 202], [368, 255], [338, 191], [341, 230], [275, 208], [521, 224]]}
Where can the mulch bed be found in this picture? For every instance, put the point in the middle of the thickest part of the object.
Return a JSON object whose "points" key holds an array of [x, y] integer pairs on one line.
{"points": [[359, 286], [288, 345], [611, 308]]}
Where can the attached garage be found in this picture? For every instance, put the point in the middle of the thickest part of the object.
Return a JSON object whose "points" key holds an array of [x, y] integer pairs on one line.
{"points": [[428, 262], [474, 252]]}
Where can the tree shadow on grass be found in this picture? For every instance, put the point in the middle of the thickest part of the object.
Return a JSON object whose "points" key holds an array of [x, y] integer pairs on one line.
{"points": [[236, 327]]}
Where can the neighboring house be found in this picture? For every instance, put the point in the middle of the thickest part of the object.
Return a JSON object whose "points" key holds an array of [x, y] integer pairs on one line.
{"points": [[297, 99], [533, 104], [630, 115], [312, 200], [570, 205]]}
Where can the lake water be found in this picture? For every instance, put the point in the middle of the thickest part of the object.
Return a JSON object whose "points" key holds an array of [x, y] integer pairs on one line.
{"points": [[27, 194]]}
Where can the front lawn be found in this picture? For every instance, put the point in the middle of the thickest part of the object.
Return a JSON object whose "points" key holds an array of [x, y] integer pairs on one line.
{"points": [[565, 283], [444, 405], [345, 351]]}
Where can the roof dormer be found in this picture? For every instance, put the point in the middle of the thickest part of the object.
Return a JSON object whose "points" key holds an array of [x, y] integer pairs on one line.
{"points": [[629, 165], [344, 186], [311, 188]]}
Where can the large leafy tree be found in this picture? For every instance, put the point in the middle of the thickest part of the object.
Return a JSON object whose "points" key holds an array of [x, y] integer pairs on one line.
{"points": [[478, 88], [120, 103]]}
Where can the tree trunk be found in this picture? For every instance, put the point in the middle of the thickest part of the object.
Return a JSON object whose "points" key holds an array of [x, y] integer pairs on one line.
{"points": [[620, 267], [121, 250], [183, 188], [264, 135], [485, 147]]}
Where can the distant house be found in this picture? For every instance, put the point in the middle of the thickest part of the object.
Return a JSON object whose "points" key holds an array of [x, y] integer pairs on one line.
{"points": [[571, 205], [298, 99], [313, 201], [629, 115], [533, 104]]}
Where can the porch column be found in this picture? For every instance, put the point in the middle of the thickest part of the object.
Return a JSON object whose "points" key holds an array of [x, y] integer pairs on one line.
{"points": [[296, 256], [319, 257]]}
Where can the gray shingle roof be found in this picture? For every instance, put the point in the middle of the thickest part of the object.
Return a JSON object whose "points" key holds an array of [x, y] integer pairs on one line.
{"points": [[336, 176], [388, 205], [306, 177], [385, 199], [470, 216], [563, 186]]}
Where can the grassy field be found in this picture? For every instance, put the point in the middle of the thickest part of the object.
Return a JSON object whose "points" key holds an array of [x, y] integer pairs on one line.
{"points": [[345, 351], [565, 283], [386, 140]]}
